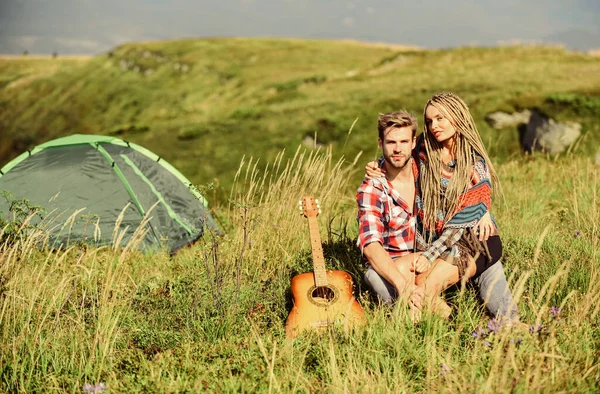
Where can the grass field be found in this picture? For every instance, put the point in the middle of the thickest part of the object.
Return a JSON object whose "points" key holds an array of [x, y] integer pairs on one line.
{"points": [[211, 318]]}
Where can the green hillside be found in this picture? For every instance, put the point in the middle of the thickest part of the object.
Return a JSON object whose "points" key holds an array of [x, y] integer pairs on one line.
{"points": [[203, 104]]}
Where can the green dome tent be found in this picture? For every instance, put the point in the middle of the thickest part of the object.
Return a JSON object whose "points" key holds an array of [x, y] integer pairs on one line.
{"points": [[80, 177]]}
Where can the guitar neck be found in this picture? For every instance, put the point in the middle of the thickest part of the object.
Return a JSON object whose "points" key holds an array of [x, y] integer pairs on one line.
{"points": [[317, 253]]}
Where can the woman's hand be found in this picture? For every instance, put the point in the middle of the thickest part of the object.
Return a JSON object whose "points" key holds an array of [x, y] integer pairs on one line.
{"points": [[373, 171], [486, 227], [421, 264]]}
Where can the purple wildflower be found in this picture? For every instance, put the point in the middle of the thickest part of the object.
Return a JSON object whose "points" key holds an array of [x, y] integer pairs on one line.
{"points": [[577, 234], [536, 329], [444, 369], [494, 326], [518, 341], [479, 333], [555, 312], [94, 389], [487, 344]]}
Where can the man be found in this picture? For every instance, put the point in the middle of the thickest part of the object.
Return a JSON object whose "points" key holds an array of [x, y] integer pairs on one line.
{"points": [[388, 239]]}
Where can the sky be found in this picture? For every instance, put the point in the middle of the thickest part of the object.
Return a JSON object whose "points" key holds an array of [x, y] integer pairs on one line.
{"points": [[93, 27]]}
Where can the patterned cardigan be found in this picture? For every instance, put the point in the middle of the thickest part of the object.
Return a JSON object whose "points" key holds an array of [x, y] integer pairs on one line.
{"points": [[454, 231]]}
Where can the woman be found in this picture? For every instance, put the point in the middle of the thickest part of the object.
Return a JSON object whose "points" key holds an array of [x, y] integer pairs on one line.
{"points": [[456, 179]]}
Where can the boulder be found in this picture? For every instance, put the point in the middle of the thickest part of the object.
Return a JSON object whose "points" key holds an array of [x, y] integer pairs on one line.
{"points": [[545, 134], [310, 142], [500, 120]]}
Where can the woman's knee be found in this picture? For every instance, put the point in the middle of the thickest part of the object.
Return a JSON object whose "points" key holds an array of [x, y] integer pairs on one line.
{"points": [[441, 275], [470, 270]]}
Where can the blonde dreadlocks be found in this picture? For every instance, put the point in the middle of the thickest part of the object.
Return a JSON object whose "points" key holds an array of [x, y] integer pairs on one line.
{"points": [[468, 143]]}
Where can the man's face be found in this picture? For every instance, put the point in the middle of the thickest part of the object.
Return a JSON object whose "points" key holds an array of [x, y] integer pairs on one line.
{"points": [[397, 146]]}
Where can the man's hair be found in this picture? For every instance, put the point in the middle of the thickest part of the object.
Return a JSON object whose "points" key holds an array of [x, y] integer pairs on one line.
{"points": [[396, 119]]}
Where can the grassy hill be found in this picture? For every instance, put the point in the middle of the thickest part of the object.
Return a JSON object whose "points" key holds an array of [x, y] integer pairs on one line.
{"points": [[203, 104], [211, 318]]}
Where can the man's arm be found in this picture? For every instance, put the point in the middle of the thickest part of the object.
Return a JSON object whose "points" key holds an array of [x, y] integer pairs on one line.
{"points": [[387, 268], [371, 227], [383, 264]]}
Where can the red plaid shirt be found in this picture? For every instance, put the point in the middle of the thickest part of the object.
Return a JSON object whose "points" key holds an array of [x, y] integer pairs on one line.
{"points": [[384, 217]]}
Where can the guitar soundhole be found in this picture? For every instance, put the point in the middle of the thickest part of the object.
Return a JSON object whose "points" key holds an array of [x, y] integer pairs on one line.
{"points": [[323, 295]]}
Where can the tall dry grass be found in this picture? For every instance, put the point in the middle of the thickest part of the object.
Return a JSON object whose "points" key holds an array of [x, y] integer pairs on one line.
{"points": [[211, 318]]}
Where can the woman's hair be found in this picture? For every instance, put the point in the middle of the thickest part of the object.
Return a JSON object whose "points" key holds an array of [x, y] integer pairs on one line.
{"points": [[468, 143]]}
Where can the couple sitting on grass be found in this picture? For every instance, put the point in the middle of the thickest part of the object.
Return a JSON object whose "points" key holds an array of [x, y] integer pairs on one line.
{"points": [[423, 212]]}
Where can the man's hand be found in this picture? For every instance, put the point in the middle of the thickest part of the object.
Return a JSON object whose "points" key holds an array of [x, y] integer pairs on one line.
{"points": [[420, 264], [373, 171], [413, 295], [486, 227], [417, 297]]}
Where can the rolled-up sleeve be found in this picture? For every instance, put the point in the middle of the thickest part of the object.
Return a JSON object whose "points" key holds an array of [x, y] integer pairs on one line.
{"points": [[370, 215], [446, 241]]}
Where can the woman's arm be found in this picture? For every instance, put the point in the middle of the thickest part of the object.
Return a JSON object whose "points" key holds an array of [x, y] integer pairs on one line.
{"points": [[449, 237], [374, 169]]}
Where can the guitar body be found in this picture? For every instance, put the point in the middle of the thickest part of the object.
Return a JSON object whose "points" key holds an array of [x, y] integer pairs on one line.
{"points": [[322, 306]]}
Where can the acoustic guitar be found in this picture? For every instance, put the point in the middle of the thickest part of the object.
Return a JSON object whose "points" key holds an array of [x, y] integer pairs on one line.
{"points": [[321, 298]]}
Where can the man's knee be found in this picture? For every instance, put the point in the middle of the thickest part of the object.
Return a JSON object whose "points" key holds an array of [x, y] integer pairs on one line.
{"points": [[384, 289], [405, 268]]}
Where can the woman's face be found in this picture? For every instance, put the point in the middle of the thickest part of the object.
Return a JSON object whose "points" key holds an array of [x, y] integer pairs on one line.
{"points": [[439, 125]]}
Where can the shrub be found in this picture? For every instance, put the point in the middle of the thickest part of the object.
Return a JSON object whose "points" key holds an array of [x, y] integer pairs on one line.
{"points": [[17, 222]]}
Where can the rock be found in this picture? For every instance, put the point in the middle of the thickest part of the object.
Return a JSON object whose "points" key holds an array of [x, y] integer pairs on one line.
{"points": [[310, 142], [500, 120], [543, 133]]}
